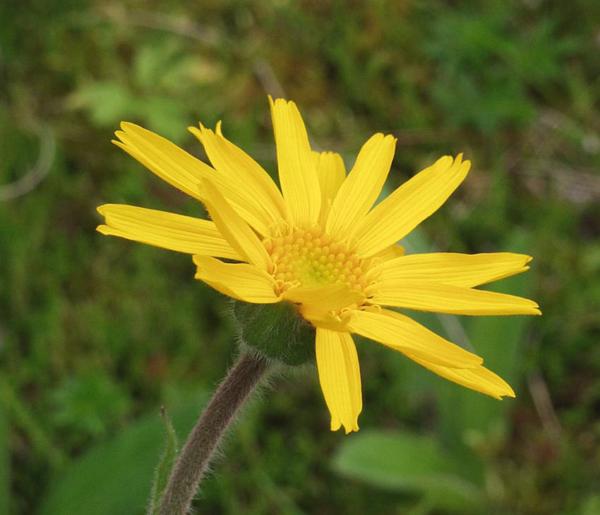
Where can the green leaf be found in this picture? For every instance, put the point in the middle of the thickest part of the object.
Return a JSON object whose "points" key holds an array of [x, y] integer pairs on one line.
{"points": [[404, 462], [107, 102], [115, 476], [165, 465]]}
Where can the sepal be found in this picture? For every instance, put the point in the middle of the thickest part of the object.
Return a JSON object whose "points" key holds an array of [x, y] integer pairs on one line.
{"points": [[276, 331]]}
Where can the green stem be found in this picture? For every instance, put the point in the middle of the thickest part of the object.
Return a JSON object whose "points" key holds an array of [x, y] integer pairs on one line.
{"points": [[204, 439]]}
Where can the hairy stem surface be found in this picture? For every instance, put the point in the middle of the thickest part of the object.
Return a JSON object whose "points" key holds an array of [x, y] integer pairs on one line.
{"points": [[204, 439]]}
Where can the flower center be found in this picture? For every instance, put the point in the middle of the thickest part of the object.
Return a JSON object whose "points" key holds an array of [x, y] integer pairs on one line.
{"points": [[311, 258]]}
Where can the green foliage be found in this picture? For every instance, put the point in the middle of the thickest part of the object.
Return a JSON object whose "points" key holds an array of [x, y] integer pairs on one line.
{"points": [[487, 63], [88, 404]]}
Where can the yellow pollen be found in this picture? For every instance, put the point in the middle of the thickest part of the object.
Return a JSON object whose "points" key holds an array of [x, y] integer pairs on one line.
{"points": [[310, 258]]}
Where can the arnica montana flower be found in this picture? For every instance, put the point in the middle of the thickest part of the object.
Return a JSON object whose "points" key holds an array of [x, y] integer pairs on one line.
{"points": [[319, 243]]}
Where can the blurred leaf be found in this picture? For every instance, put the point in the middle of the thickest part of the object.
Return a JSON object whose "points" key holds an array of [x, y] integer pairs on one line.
{"points": [[163, 65], [165, 465], [150, 62], [115, 476], [107, 102], [405, 462]]}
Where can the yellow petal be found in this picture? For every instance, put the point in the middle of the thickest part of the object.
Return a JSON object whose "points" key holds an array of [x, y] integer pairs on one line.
{"points": [[362, 186], [171, 163], [237, 232], [166, 230], [237, 280], [339, 376], [331, 172], [244, 181], [405, 335], [323, 298], [297, 170], [465, 270], [409, 205], [445, 298], [479, 379], [325, 320], [391, 252]]}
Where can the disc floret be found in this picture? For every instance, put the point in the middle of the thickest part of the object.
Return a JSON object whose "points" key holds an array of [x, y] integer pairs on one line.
{"points": [[309, 257]]}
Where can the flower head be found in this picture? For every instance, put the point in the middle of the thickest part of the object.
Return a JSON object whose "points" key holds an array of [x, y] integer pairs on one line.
{"points": [[321, 244]]}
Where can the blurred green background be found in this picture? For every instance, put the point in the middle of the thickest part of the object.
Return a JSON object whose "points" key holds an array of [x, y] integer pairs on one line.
{"points": [[97, 333]]}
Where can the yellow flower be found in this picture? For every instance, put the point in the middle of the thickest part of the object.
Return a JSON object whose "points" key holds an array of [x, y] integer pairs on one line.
{"points": [[321, 244]]}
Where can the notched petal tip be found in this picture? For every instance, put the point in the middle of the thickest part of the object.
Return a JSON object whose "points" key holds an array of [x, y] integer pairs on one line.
{"points": [[504, 390], [444, 161], [281, 102], [462, 166], [336, 425], [532, 305], [130, 127], [351, 429], [465, 167], [501, 396], [202, 132], [195, 130], [389, 139]]}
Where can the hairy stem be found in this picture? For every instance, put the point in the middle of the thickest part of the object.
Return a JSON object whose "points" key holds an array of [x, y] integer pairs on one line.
{"points": [[202, 442]]}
